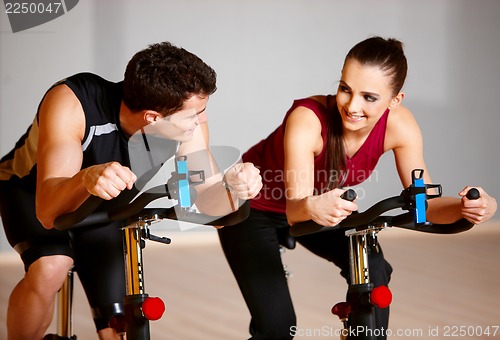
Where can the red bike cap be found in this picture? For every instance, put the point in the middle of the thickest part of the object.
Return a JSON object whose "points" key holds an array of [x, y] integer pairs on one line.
{"points": [[153, 308], [381, 297]]}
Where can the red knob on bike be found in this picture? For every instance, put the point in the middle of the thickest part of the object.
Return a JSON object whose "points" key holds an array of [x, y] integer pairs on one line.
{"points": [[342, 310], [381, 297], [153, 308]]}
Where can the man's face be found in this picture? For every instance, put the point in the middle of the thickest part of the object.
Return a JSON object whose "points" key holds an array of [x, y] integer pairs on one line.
{"points": [[180, 126]]}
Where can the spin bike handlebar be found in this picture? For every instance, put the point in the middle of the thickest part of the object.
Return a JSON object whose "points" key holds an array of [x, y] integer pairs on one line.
{"points": [[374, 216], [123, 208]]}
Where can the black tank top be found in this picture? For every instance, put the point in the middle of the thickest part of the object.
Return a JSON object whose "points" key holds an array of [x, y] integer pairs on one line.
{"points": [[104, 140]]}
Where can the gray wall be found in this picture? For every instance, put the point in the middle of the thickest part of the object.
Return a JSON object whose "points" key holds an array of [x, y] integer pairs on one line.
{"points": [[268, 52]]}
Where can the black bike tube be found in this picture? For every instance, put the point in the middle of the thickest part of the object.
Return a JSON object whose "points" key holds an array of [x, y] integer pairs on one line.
{"points": [[137, 326]]}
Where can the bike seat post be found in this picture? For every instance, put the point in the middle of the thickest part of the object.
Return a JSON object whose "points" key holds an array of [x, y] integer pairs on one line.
{"points": [[64, 308]]}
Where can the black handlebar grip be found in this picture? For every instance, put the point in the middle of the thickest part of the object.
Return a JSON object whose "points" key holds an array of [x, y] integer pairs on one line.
{"points": [[349, 195], [473, 194]]}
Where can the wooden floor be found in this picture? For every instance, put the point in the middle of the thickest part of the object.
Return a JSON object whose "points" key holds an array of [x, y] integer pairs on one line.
{"points": [[439, 283]]}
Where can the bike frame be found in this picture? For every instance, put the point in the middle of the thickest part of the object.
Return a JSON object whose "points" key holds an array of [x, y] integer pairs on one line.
{"points": [[358, 316], [362, 310], [137, 316], [139, 308]]}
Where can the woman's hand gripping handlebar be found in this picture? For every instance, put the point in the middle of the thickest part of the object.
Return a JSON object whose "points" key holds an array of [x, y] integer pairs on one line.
{"points": [[413, 199]]}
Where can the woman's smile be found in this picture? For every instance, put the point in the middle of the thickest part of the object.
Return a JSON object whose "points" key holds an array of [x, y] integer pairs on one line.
{"points": [[355, 117]]}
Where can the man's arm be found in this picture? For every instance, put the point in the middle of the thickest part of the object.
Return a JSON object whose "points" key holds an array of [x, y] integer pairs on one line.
{"points": [[213, 199], [61, 185]]}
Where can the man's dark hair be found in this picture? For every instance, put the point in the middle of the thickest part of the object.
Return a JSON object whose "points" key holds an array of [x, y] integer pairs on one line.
{"points": [[162, 76]]}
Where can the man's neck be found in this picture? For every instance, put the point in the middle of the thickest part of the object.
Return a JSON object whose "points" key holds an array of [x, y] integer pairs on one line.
{"points": [[130, 122]]}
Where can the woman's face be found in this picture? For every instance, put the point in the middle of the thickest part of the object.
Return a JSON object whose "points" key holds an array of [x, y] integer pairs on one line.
{"points": [[363, 95]]}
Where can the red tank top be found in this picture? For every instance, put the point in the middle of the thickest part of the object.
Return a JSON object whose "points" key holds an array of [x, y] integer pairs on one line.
{"points": [[268, 156]]}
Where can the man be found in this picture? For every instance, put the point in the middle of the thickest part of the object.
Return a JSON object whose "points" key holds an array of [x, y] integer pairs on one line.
{"points": [[78, 146]]}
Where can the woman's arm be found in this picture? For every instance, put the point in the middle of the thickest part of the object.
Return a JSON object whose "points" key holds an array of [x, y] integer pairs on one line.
{"points": [[405, 139], [303, 141]]}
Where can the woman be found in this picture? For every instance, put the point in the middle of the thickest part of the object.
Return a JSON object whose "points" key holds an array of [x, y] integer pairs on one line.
{"points": [[323, 144]]}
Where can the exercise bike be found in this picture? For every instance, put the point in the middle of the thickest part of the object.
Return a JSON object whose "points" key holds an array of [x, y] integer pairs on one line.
{"points": [[361, 228], [130, 208]]}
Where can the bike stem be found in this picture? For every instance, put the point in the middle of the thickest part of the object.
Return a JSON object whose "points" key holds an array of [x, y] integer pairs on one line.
{"points": [[136, 326], [360, 288], [134, 236], [358, 259]]}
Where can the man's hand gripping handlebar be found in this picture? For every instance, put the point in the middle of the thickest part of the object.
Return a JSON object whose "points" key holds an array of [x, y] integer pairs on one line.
{"points": [[131, 204]]}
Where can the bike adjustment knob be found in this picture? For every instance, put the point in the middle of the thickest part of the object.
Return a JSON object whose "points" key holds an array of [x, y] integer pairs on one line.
{"points": [[381, 297], [342, 310], [153, 308]]}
